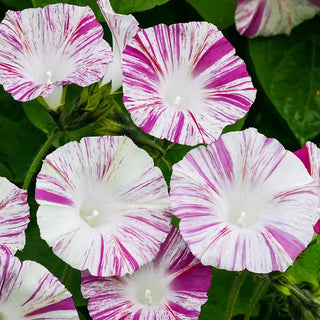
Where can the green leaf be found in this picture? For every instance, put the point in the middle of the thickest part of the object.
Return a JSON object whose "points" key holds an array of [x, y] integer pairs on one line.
{"points": [[236, 126], [218, 12], [128, 6], [91, 3], [175, 152], [216, 305], [288, 69], [39, 116], [5, 172], [19, 139], [119, 6], [18, 144], [307, 266], [17, 4]]}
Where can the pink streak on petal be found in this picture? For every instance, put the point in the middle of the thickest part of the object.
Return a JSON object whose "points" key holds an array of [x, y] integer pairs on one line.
{"points": [[256, 21], [66, 304], [303, 155], [216, 52], [51, 197], [317, 227], [289, 243]]}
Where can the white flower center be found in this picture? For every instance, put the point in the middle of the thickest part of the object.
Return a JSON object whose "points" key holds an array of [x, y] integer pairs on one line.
{"points": [[181, 91], [244, 208], [148, 286], [101, 206], [243, 218], [241, 221], [92, 217], [96, 218], [177, 101], [148, 297]]}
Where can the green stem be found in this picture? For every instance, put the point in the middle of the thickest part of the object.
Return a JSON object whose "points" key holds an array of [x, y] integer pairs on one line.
{"points": [[142, 139], [168, 164], [306, 300], [260, 289], [234, 292], [37, 160]]}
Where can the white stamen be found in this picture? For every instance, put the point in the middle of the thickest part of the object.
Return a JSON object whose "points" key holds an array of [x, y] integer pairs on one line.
{"points": [[49, 74], [240, 221], [90, 217], [177, 101], [148, 296]]}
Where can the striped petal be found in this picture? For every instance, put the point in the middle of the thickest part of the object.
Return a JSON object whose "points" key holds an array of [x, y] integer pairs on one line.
{"points": [[184, 82], [14, 216], [123, 28], [173, 286], [310, 156], [103, 205], [43, 49], [245, 203], [30, 291], [271, 17]]}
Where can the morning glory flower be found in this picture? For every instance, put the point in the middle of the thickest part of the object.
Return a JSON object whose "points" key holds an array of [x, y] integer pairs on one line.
{"points": [[103, 205], [184, 82], [43, 49], [310, 156], [173, 286], [14, 216], [30, 291], [271, 17], [244, 203], [123, 28]]}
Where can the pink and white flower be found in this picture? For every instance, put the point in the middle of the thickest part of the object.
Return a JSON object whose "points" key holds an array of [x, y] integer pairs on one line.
{"points": [[123, 28], [30, 291], [43, 49], [271, 17], [103, 205], [184, 82], [310, 156], [173, 286], [14, 216], [244, 203]]}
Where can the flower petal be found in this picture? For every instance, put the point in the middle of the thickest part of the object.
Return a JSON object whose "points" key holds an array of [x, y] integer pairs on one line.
{"points": [[184, 82], [310, 157], [14, 216], [45, 48], [103, 205], [164, 289], [245, 203], [123, 28], [31, 291], [270, 17]]}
